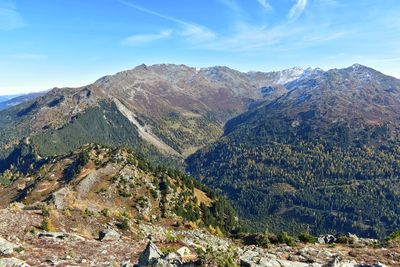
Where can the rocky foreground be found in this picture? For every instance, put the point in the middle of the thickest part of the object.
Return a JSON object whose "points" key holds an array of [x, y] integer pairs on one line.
{"points": [[24, 243]]}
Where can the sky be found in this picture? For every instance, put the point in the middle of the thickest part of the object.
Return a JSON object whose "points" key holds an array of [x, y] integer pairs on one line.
{"points": [[64, 43]]}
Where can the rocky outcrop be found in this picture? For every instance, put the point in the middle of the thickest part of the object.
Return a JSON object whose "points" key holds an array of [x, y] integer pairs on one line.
{"points": [[337, 262], [6, 247], [109, 235], [253, 258], [326, 239], [150, 255]]}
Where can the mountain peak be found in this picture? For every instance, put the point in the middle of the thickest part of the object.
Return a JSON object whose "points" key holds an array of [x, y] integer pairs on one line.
{"points": [[358, 66]]}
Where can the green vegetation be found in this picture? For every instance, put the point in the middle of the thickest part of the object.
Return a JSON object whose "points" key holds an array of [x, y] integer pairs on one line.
{"points": [[393, 236], [103, 125], [218, 258], [219, 214], [186, 133], [306, 237], [47, 225], [76, 166], [289, 179], [123, 223]]}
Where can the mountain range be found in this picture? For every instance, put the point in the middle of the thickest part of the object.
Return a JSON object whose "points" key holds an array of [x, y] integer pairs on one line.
{"points": [[293, 150], [13, 100]]}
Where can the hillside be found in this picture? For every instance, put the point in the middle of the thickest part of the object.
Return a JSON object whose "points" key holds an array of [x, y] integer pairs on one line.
{"points": [[99, 178], [167, 109], [323, 156], [99, 206]]}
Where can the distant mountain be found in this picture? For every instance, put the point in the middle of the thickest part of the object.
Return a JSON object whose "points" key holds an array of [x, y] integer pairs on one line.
{"points": [[358, 100], [13, 100], [167, 109], [7, 97], [324, 155]]}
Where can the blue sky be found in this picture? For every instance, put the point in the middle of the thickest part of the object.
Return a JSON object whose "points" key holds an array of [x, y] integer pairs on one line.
{"points": [[48, 43]]}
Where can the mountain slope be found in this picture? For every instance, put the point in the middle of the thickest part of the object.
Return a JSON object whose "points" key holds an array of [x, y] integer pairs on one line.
{"points": [[98, 178], [325, 155], [169, 109], [99, 206]]}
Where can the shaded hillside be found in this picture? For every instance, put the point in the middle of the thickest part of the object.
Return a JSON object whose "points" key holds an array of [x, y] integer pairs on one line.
{"points": [[325, 155]]}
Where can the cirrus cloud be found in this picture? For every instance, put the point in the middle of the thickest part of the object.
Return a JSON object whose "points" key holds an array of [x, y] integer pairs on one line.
{"points": [[10, 19], [139, 39], [297, 9]]}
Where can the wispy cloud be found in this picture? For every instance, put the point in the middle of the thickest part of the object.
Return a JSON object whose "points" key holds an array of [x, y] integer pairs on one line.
{"points": [[245, 37], [297, 9], [139, 39], [192, 31], [10, 19], [265, 5], [27, 56]]}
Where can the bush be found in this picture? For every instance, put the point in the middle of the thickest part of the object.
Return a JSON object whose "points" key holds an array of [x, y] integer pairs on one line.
{"points": [[285, 238], [47, 225], [123, 223], [393, 236], [347, 240], [262, 240], [45, 211], [105, 212], [307, 238]]}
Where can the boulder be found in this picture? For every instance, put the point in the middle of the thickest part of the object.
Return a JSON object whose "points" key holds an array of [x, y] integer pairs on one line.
{"points": [[6, 247], [326, 239], [150, 255], [109, 235], [338, 262], [53, 235], [60, 236], [252, 258], [173, 259]]}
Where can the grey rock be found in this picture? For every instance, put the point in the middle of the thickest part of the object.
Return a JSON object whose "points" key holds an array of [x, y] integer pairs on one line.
{"points": [[326, 239], [150, 255], [6, 247], [109, 235], [60, 236], [254, 258], [52, 235]]}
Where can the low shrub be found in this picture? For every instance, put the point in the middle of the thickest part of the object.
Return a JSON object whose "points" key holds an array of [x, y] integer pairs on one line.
{"points": [[307, 238]]}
